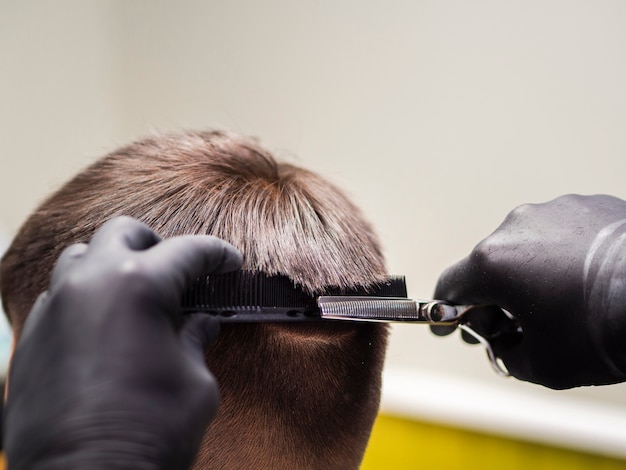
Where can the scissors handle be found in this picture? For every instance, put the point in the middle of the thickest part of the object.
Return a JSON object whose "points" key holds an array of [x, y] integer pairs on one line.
{"points": [[457, 314]]}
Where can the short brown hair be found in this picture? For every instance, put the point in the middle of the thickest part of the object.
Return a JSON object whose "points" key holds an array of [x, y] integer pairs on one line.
{"points": [[293, 396]]}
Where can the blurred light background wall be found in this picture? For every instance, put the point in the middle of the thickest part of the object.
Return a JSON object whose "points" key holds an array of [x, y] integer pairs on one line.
{"points": [[437, 116]]}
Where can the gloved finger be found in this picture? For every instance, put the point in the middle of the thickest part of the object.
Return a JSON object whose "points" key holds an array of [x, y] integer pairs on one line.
{"points": [[488, 321], [468, 338], [67, 258], [197, 333], [510, 349], [34, 318], [187, 257], [442, 330], [450, 287], [122, 233], [461, 283]]}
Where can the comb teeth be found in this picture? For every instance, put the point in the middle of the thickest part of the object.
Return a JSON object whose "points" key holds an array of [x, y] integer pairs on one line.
{"points": [[256, 289], [245, 288]]}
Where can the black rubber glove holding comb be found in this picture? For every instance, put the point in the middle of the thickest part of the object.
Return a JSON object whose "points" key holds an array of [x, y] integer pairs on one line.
{"points": [[560, 269], [107, 374]]}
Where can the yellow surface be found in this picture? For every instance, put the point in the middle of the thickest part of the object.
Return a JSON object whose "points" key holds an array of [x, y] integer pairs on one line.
{"points": [[398, 443]]}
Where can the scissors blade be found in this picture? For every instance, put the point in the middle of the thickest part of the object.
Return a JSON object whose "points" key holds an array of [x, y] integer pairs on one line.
{"points": [[389, 309]]}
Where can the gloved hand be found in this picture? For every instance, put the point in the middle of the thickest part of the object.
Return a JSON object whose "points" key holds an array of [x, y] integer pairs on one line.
{"points": [[107, 374], [560, 269]]}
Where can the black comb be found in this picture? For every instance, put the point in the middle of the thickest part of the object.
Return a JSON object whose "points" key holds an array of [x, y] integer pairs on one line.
{"points": [[247, 296]]}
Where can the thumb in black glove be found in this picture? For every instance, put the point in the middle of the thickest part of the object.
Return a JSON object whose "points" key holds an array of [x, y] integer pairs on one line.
{"points": [[106, 373], [560, 269]]}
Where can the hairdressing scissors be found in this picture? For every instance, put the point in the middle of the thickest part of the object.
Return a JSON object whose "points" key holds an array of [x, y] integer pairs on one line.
{"points": [[405, 310]]}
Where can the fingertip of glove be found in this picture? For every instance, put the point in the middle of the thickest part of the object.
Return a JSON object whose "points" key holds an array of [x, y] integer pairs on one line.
{"points": [[210, 327], [441, 330], [232, 259], [205, 328]]}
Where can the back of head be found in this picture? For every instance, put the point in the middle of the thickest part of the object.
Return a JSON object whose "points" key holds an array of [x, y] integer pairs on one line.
{"points": [[292, 396]]}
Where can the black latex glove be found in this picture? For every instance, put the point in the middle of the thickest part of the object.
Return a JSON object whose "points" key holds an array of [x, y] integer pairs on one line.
{"points": [[560, 268], [106, 373]]}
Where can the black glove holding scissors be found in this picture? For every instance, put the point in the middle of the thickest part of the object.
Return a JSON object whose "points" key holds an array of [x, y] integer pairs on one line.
{"points": [[107, 374], [560, 269]]}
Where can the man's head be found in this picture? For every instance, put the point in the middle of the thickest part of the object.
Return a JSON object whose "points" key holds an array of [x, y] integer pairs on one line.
{"points": [[293, 396]]}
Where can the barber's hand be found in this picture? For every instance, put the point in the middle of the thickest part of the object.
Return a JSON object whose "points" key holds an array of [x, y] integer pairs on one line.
{"points": [[560, 269], [107, 374]]}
